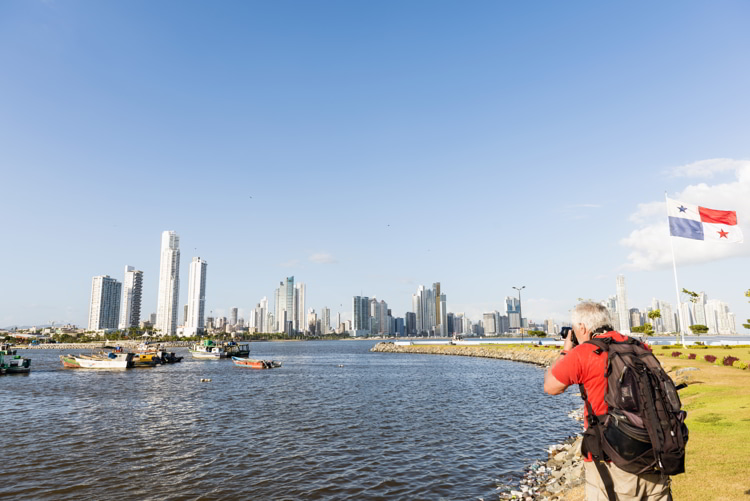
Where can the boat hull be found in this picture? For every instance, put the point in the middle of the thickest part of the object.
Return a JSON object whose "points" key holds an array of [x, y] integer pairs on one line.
{"points": [[122, 361], [256, 364]]}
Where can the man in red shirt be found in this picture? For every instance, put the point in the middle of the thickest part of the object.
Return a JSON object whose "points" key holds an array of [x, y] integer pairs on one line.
{"points": [[578, 364]]}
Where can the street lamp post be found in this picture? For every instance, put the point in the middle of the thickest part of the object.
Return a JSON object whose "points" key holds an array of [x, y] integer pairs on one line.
{"points": [[520, 318]]}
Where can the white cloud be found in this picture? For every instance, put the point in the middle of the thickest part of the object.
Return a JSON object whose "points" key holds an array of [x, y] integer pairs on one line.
{"points": [[707, 168], [322, 258], [649, 243]]}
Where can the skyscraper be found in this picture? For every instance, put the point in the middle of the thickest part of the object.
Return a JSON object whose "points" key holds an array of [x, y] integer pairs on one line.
{"points": [[233, 316], [104, 308], [197, 297], [438, 316], [325, 320], [285, 312], [169, 284], [130, 313], [360, 315], [623, 313], [299, 300]]}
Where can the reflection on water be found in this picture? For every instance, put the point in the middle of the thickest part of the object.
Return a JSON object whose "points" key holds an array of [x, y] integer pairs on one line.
{"points": [[382, 426]]}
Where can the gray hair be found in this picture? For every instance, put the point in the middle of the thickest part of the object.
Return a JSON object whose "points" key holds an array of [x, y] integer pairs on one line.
{"points": [[592, 315]]}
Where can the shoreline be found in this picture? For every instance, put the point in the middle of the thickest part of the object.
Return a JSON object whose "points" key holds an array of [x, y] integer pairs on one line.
{"points": [[561, 474]]}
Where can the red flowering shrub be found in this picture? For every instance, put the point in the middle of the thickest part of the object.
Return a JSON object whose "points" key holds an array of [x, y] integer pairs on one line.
{"points": [[730, 360], [676, 354], [709, 358], [691, 356]]}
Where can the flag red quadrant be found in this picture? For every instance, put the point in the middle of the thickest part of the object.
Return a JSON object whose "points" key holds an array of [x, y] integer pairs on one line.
{"points": [[718, 216]]}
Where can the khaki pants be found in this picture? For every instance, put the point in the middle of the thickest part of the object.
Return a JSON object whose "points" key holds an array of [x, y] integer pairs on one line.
{"points": [[628, 487]]}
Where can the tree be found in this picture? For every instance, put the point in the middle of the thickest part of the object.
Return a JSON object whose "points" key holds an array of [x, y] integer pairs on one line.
{"points": [[747, 325], [698, 329], [646, 329]]}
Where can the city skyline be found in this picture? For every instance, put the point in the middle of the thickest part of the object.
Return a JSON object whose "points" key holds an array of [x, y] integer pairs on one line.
{"points": [[496, 145]]}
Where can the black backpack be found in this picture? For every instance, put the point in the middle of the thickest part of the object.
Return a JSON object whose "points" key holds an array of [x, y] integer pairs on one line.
{"points": [[644, 430]]}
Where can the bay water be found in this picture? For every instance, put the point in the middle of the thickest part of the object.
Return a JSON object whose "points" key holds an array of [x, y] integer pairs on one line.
{"points": [[335, 422]]}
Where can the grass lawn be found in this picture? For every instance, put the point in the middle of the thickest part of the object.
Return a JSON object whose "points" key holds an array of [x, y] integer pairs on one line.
{"points": [[717, 401]]}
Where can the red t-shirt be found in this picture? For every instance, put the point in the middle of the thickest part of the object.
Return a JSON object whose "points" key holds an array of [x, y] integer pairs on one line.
{"points": [[582, 365]]}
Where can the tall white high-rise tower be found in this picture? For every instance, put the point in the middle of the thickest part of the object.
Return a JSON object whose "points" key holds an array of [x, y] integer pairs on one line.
{"points": [[196, 306], [169, 284], [130, 313], [104, 308], [623, 314]]}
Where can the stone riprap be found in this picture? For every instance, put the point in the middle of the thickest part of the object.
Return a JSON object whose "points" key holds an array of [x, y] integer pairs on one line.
{"points": [[544, 480], [531, 355], [99, 344]]}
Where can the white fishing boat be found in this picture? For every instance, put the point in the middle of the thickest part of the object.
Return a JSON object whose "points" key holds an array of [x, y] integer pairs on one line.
{"points": [[111, 361], [208, 350]]}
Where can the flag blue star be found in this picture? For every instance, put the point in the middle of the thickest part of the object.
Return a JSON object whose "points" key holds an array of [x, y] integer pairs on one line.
{"points": [[682, 209]]}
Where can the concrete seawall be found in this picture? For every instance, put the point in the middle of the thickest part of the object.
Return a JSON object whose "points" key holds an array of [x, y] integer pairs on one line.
{"points": [[530, 355]]}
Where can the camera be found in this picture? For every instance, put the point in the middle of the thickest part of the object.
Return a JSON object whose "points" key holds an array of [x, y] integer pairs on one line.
{"points": [[568, 330]]}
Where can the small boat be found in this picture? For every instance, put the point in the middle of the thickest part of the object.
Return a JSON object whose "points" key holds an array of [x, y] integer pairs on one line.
{"points": [[146, 360], [14, 364], [237, 348], [111, 361], [6, 349], [166, 357], [256, 364], [207, 350]]}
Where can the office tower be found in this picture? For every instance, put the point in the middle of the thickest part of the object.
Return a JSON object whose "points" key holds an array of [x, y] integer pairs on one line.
{"points": [[312, 322], [416, 308], [360, 315], [503, 324], [197, 297], [451, 325], [152, 318], [300, 291], [699, 309], [513, 311], [233, 316], [260, 317], [325, 320], [410, 321], [285, 312], [374, 316], [169, 284], [130, 313], [635, 318], [439, 323], [489, 321], [443, 315], [338, 322], [104, 308], [623, 316]]}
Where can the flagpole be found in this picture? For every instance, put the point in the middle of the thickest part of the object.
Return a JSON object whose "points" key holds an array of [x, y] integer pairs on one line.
{"points": [[676, 286]]}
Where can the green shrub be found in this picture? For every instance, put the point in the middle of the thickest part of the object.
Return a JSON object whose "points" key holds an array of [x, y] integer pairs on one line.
{"points": [[683, 356], [739, 364]]}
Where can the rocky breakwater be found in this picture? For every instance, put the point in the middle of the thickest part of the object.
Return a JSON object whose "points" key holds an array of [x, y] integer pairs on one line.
{"points": [[530, 355], [129, 345], [551, 480]]}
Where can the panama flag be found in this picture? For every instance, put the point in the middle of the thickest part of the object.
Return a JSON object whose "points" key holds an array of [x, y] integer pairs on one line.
{"points": [[700, 223]]}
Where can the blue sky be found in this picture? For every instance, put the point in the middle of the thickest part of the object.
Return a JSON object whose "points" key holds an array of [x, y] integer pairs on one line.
{"points": [[369, 147]]}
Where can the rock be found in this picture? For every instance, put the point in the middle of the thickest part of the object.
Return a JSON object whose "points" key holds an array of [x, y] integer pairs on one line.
{"points": [[686, 369]]}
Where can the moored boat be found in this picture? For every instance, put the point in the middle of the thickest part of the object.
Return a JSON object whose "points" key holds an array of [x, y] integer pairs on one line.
{"points": [[111, 361], [237, 348], [146, 359], [207, 350], [256, 364], [14, 364], [6, 349]]}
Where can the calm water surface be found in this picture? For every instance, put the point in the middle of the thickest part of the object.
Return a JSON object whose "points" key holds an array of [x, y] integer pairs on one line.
{"points": [[383, 426]]}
